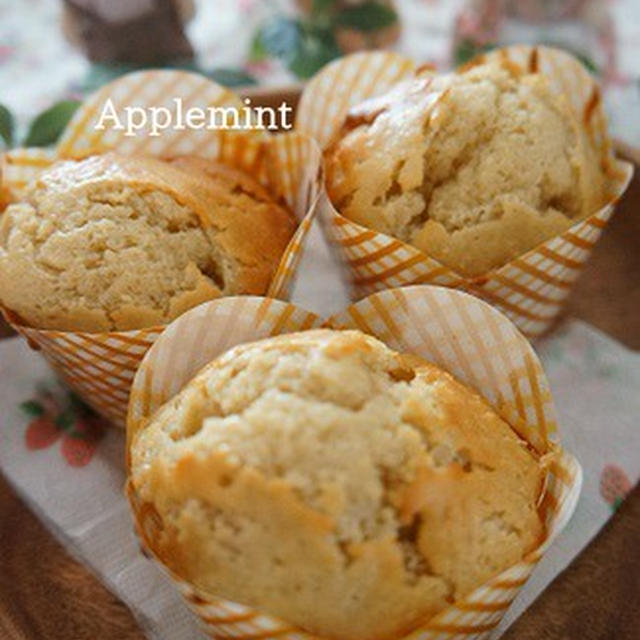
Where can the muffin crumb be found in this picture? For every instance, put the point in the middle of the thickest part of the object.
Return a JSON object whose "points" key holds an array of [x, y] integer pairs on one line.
{"points": [[335, 484], [116, 243], [474, 168]]}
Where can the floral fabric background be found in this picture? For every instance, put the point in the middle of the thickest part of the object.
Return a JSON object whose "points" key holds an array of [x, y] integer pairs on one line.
{"points": [[38, 66]]}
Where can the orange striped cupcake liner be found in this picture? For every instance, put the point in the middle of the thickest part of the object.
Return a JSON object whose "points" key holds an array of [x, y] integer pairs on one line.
{"points": [[100, 366], [456, 331], [532, 288]]}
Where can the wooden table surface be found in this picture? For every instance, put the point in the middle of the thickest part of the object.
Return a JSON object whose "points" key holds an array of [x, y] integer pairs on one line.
{"points": [[45, 594]]}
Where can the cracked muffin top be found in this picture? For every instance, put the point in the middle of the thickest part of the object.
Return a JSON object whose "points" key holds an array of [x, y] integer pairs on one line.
{"points": [[118, 243], [327, 480], [474, 168]]}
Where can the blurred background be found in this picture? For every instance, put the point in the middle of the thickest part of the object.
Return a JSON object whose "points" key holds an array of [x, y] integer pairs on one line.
{"points": [[53, 52]]}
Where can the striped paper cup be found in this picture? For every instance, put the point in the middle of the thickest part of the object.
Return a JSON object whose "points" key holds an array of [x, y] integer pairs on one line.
{"points": [[530, 289], [100, 366], [459, 332]]}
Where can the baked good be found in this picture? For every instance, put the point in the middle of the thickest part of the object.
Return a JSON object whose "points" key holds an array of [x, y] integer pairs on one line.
{"points": [[474, 168], [327, 480], [118, 243]]}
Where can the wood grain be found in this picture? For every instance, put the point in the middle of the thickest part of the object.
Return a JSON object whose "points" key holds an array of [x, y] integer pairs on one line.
{"points": [[607, 295], [45, 594], [598, 596]]}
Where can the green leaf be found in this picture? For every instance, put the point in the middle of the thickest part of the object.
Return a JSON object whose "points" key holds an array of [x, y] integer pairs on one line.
{"points": [[77, 406], [588, 62], [281, 37], [467, 50], [101, 73], [32, 408], [316, 49], [231, 77], [369, 16], [321, 8], [304, 47], [257, 52], [463, 52], [66, 419], [76, 434], [47, 127], [6, 126]]}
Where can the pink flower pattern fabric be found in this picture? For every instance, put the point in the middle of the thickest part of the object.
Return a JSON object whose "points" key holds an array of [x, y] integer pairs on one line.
{"points": [[222, 32], [58, 415], [614, 485]]}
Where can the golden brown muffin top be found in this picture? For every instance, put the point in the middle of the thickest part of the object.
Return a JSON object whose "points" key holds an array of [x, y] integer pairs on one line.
{"points": [[474, 168], [117, 243], [325, 479]]}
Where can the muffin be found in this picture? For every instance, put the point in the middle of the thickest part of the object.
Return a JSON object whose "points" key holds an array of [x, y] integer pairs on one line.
{"points": [[116, 243], [327, 480], [474, 168]]}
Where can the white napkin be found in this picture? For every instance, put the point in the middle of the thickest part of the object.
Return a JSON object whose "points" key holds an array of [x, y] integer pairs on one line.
{"points": [[594, 380]]}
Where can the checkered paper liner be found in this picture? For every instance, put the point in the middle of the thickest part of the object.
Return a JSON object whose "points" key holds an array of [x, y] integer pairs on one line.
{"points": [[530, 289], [457, 331], [100, 366]]}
